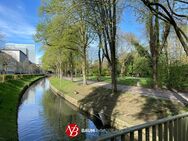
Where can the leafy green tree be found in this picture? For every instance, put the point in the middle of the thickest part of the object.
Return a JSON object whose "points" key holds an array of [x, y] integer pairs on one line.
{"points": [[65, 27], [106, 13]]}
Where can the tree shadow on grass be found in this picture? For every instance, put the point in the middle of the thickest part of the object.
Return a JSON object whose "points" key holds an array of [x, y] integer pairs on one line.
{"points": [[155, 108], [101, 102]]}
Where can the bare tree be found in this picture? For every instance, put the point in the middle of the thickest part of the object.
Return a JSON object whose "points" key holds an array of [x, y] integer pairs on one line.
{"points": [[170, 16]]}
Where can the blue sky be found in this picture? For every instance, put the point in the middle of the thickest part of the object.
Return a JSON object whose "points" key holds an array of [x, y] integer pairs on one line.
{"points": [[18, 20]]}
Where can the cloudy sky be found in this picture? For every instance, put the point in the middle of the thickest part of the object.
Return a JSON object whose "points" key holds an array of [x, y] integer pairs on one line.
{"points": [[18, 20]]}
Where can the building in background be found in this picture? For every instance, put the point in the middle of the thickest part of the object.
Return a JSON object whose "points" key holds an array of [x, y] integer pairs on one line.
{"points": [[14, 61], [18, 58], [28, 49], [8, 64], [16, 54]]}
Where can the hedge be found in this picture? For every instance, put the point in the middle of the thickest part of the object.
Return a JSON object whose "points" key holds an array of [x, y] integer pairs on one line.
{"points": [[6, 77], [178, 77]]}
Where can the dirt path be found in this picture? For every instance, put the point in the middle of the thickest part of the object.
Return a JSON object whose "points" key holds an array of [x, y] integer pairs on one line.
{"points": [[160, 93]]}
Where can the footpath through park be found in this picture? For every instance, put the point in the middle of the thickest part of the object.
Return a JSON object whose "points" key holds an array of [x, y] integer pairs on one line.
{"points": [[130, 106], [157, 93]]}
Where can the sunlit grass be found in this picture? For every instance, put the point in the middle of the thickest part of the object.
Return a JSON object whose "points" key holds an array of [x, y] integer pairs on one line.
{"points": [[9, 100], [130, 81]]}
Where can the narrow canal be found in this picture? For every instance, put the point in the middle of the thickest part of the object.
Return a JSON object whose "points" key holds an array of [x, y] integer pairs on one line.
{"points": [[43, 116]]}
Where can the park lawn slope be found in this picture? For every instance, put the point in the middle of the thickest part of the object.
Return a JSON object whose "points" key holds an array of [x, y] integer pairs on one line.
{"points": [[132, 108], [10, 93]]}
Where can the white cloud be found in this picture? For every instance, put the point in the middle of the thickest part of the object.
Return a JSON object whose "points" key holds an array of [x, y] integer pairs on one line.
{"points": [[13, 23]]}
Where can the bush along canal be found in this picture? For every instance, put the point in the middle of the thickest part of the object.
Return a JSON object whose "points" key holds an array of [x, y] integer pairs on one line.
{"points": [[44, 116]]}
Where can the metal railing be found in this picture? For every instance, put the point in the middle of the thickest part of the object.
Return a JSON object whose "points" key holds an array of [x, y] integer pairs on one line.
{"points": [[168, 129]]}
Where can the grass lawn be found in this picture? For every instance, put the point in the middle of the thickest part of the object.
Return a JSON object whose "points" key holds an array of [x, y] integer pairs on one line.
{"points": [[9, 100], [132, 108], [130, 81], [69, 87]]}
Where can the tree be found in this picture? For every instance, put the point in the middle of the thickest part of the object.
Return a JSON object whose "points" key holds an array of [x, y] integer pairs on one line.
{"points": [[170, 16], [106, 12], [67, 29]]}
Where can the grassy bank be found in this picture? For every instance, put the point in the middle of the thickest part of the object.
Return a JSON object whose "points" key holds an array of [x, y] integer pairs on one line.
{"points": [[69, 88], [131, 108], [10, 92], [130, 81]]}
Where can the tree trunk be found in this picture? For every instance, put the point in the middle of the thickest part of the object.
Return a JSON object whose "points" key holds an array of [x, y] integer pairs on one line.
{"points": [[154, 72], [60, 72], [99, 57], [154, 44], [122, 70], [113, 76], [65, 70], [56, 71], [100, 64], [71, 67], [76, 73], [156, 47], [84, 66], [167, 59], [113, 50], [132, 68]]}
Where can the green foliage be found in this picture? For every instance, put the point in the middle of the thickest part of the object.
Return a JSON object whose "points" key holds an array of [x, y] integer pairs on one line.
{"points": [[65, 36], [142, 67], [137, 65], [95, 71], [142, 51], [163, 71], [178, 77], [174, 75], [6, 77]]}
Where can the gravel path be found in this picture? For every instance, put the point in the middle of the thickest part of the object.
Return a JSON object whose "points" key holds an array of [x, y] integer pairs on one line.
{"points": [[159, 93]]}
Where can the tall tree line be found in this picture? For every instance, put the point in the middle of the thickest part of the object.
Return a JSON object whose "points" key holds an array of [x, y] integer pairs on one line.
{"points": [[68, 27]]}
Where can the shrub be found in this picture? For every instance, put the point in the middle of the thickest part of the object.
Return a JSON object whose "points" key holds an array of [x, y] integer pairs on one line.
{"points": [[6, 77], [178, 77], [2, 78]]}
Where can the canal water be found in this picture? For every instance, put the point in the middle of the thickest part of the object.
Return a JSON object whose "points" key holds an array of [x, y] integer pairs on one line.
{"points": [[43, 116]]}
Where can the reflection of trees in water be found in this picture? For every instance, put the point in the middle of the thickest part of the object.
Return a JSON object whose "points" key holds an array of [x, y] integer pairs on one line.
{"points": [[30, 93], [59, 115]]}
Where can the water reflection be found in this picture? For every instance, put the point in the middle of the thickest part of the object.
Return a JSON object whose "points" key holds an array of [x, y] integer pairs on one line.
{"points": [[43, 116]]}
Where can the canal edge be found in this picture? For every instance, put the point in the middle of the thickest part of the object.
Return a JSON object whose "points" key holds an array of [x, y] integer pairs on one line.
{"points": [[115, 122]]}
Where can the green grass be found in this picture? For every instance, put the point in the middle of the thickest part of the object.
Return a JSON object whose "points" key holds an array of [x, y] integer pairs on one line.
{"points": [[133, 108], [130, 81], [69, 87], [9, 100], [66, 86]]}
